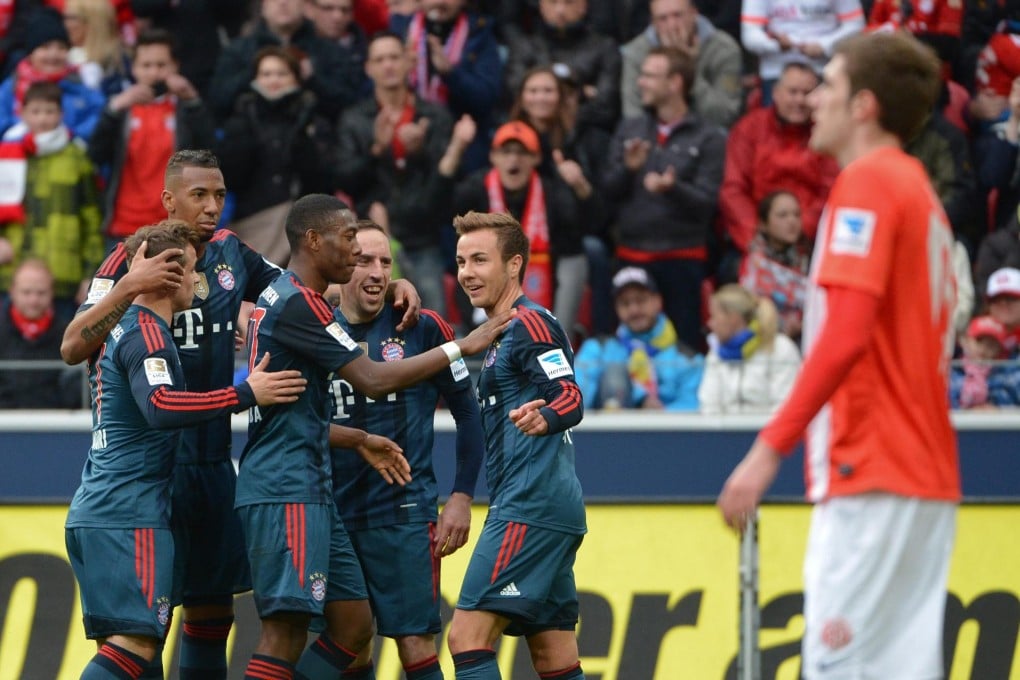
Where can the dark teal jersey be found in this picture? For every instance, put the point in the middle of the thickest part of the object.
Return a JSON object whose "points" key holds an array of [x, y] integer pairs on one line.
{"points": [[229, 273], [532, 479], [286, 459], [363, 497], [138, 398]]}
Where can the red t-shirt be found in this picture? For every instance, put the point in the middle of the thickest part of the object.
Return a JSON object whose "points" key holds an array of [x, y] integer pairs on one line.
{"points": [[150, 144]]}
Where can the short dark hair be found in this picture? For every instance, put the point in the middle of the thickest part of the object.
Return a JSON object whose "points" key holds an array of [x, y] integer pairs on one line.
{"points": [[44, 91], [679, 63], [189, 158], [765, 204], [315, 212], [284, 54], [382, 35], [510, 238], [365, 224], [162, 236], [157, 36], [902, 73]]}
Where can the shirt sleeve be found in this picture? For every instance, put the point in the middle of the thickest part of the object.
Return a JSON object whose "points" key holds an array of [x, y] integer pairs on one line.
{"points": [[547, 362], [306, 326]]}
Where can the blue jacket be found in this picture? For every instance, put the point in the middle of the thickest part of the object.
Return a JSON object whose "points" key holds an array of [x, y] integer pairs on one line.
{"points": [[82, 106]]}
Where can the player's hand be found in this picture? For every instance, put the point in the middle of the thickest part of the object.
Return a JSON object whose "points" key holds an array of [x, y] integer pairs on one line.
{"points": [[278, 387], [454, 525], [529, 419], [386, 458], [157, 274], [747, 484], [405, 296], [481, 337]]}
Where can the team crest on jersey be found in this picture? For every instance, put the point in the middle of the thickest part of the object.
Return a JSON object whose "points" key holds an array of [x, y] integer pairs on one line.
{"points": [[202, 287], [490, 356], [318, 586], [392, 349], [157, 372], [225, 276], [163, 610]]}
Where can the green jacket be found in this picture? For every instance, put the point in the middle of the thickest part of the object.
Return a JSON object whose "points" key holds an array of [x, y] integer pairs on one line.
{"points": [[62, 220]]}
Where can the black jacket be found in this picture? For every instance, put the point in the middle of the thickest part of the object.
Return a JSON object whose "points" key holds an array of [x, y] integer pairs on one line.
{"points": [[36, 388]]}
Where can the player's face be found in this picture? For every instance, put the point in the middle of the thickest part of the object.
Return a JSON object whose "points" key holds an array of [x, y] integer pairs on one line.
{"points": [[32, 292], [784, 224], [481, 271], [184, 295], [1006, 310], [638, 308], [365, 294], [723, 323], [338, 253], [540, 96], [830, 104], [196, 196]]}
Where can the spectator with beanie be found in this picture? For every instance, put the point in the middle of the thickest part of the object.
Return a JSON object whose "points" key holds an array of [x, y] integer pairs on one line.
{"points": [[31, 330], [644, 365], [47, 46], [985, 379], [141, 128]]}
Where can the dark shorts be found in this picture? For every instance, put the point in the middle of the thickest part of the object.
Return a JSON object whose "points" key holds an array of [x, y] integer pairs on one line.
{"points": [[402, 577], [211, 564], [124, 578], [300, 557], [524, 573]]}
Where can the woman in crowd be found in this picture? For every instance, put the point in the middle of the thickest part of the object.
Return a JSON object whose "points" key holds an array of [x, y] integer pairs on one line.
{"points": [[96, 46]]}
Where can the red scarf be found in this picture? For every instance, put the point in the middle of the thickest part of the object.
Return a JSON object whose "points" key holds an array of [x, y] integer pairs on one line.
{"points": [[397, 147], [25, 75], [31, 329], [6, 15], [538, 278], [434, 89]]}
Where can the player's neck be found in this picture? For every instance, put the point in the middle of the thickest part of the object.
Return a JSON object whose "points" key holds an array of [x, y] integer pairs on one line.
{"points": [[865, 140], [160, 305], [308, 273], [355, 314], [506, 300]]}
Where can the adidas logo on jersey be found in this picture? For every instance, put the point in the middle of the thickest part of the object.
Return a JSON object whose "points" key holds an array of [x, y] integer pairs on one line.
{"points": [[510, 590]]}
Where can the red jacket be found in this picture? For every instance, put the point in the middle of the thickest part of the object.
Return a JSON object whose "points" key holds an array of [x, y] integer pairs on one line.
{"points": [[764, 155]]}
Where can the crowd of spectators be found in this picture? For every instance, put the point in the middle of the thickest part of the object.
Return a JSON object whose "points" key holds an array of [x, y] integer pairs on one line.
{"points": [[661, 141]]}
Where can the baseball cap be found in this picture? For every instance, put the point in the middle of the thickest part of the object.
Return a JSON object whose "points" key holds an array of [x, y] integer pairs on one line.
{"points": [[1004, 281], [516, 131], [633, 276], [986, 326]]}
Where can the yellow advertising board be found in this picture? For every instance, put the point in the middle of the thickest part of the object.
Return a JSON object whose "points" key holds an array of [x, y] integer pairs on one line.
{"points": [[658, 589]]}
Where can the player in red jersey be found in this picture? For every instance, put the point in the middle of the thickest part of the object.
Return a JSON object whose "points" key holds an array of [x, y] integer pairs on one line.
{"points": [[881, 460]]}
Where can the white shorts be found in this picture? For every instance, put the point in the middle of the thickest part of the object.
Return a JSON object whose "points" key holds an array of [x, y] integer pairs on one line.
{"points": [[875, 588]]}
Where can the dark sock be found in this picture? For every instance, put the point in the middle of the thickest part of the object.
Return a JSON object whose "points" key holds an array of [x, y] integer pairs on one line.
{"points": [[204, 648], [114, 663], [262, 667], [425, 670], [324, 659], [154, 671], [366, 672], [571, 673], [477, 664]]}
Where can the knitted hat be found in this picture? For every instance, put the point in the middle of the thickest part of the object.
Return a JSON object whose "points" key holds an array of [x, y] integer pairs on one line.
{"points": [[45, 26]]}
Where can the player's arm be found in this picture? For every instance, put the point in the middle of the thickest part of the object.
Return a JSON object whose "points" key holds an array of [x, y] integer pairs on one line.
{"points": [[545, 363], [454, 525], [404, 295], [841, 342], [380, 452], [376, 379], [88, 330]]}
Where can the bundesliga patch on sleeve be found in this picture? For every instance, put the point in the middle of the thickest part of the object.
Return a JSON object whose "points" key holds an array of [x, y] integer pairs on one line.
{"points": [[341, 336], [459, 370], [555, 364], [157, 372], [98, 290], [852, 232]]}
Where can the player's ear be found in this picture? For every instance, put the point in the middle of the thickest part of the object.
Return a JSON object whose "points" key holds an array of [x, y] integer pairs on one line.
{"points": [[167, 199]]}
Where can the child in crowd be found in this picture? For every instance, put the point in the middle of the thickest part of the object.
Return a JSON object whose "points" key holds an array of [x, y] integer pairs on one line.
{"points": [[983, 380], [1003, 296]]}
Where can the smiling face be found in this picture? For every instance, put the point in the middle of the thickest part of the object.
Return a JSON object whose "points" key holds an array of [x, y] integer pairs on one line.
{"points": [[791, 95], [638, 308], [482, 273], [196, 196], [32, 291], [364, 296], [540, 97]]}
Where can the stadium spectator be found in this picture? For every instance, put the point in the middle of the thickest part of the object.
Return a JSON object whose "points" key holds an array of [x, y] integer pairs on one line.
{"points": [[782, 31], [1000, 248], [1002, 297], [96, 46], [457, 65], [563, 36], [141, 128], [995, 156], [750, 365], [30, 330], [334, 21], [717, 94], [776, 265], [56, 218], [984, 379], [275, 148], [937, 23], [664, 169], [389, 150], [46, 45], [767, 150], [643, 365], [374, 15]]}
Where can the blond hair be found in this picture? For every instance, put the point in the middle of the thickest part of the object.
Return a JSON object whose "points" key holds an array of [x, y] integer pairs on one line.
{"points": [[102, 36], [759, 311]]}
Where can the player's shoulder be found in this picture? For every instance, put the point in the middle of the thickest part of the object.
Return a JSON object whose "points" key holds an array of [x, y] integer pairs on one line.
{"points": [[882, 169], [430, 321], [535, 323]]}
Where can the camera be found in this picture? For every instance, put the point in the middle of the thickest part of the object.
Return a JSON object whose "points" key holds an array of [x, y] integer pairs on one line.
{"points": [[159, 88]]}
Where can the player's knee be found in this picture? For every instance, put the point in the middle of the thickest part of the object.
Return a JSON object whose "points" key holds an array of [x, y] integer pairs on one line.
{"points": [[464, 637], [414, 649], [350, 624]]}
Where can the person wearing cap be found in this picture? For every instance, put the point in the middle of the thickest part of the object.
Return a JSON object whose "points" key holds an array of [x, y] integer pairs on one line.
{"points": [[717, 92], [1002, 294], [643, 365], [553, 209], [664, 170], [457, 64], [47, 46], [984, 379]]}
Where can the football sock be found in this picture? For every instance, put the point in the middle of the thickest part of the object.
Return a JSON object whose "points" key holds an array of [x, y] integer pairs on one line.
{"points": [[478, 664], [324, 660], [114, 663], [262, 667], [366, 672], [571, 673], [204, 649], [425, 670]]}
